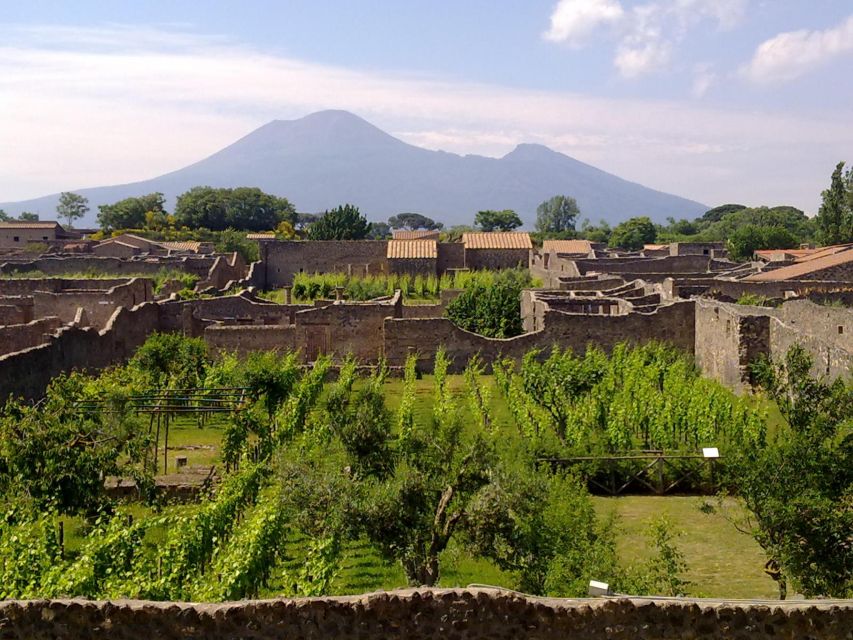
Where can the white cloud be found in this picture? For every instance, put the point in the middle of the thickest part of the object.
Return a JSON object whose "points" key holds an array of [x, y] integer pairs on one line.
{"points": [[703, 79], [76, 113], [645, 36], [794, 53], [572, 21]]}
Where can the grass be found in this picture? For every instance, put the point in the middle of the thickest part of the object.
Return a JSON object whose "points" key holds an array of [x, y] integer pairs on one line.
{"points": [[160, 277], [722, 562]]}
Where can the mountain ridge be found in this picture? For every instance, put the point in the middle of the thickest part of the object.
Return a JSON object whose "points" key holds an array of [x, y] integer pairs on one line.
{"points": [[330, 157]]}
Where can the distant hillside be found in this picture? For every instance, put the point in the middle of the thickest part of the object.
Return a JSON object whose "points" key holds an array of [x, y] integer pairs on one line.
{"points": [[332, 157]]}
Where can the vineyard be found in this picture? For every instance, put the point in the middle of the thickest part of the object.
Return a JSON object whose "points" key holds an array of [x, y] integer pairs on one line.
{"points": [[344, 485], [309, 287]]}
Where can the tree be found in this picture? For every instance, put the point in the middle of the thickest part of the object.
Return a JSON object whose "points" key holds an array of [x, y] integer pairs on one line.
{"points": [[71, 207], [745, 241], [379, 231], [490, 310], [491, 220], [557, 215], [633, 233], [4, 217], [413, 221], [600, 233], [243, 208], [717, 213], [835, 217], [28, 216], [341, 223], [798, 488], [131, 213]]}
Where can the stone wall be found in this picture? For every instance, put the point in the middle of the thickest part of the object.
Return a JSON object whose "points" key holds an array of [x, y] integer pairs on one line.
{"points": [[451, 255], [497, 258], [225, 269], [246, 339], [413, 266], [17, 337], [672, 323], [669, 265], [26, 286], [825, 332], [98, 305], [282, 259], [27, 373], [198, 265], [458, 614]]}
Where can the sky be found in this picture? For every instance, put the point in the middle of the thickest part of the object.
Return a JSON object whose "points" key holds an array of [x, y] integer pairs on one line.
{"points": [[747, 101]]}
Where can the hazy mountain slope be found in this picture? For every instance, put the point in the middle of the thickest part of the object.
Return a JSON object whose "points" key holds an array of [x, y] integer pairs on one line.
{"points": [[332, 157]]}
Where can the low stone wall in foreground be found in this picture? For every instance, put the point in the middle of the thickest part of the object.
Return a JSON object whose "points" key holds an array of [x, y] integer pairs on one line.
{"points": [[416, 614]]}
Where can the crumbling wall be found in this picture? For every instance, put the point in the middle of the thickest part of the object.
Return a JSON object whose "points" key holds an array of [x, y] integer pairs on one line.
{"points": [[98, 305], [244, 339], [17, 337], [825, 332], [284, 258], [225, 269], [428, 614]]}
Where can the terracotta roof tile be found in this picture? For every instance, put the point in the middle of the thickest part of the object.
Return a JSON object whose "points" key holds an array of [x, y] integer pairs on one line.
{"points": [[804, 267], [418, 234], [497, 240], [260, 236], [412, 249], [23, 224], [567, 246], [190, 245]]}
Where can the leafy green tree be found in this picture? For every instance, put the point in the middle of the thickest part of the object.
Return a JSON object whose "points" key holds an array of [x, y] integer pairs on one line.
{"points": [[244, 208], [28, 216], [633, 233], [490, 310], [491, 220], [341, 223], [557, 215], [799, 487], [379, 231], [4, 217], [170, 360], [716, 214], [130, 213], [71, 207], [600, 233], [746, 240], [229, 241], [413, 221], [835, 217]]}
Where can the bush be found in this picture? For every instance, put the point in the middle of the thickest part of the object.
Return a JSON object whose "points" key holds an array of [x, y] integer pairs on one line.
{"points": [[492, 311]]}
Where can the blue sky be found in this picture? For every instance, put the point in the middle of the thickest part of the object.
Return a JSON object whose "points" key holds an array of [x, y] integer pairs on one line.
{"points": [[716, 100]]}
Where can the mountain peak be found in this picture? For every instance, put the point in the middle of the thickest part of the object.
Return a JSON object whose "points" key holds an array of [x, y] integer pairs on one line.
{"points": [[530, 151]]}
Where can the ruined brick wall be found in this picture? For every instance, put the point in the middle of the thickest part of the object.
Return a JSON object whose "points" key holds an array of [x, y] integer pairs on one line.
{"points": [[99, 305], [673, 324], [282, 259], [197, 265], [669, 265], [16, 310], [26, 286], [825, 332], [451, 255], [734, 289], [27, 373], [497, 258], [243, 340], [728, 338], [420, 266], [429, 614], [225, 269], [17, 337]]}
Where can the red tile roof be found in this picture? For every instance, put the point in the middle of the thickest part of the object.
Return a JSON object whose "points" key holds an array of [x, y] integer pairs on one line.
{"points": [[412, 249], [23, 224], [418, 234], [806, 266], [567, 246], [497, 240]]}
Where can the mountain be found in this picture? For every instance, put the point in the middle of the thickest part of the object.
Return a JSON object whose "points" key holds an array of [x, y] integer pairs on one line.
{"points": [[333, 157]]}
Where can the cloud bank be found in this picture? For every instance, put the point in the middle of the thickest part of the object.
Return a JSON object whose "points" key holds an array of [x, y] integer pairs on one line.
{"points": [[90, 107]]}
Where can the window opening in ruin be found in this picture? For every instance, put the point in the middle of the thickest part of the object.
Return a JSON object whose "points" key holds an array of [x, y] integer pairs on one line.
{"points": [[840, 329]]}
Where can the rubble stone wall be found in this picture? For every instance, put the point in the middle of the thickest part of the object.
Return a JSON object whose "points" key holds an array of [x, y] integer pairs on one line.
{"points": [[428, 614]]}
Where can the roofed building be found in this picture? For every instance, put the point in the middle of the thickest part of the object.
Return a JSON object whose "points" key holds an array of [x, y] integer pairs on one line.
{"points": [[17, 234], [417, 234], [413, 256], [497, 250], [828, 264]]}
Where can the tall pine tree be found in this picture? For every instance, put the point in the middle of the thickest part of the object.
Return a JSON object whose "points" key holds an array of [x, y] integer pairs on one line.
{"points": [[835, 217]]}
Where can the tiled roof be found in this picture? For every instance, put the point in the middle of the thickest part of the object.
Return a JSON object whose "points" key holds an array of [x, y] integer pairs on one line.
{"points": [[412, 249], [567, 246], [497, 240], [655, 247], [181, 246], [823, 251], [14, 224], [260, 236], [805, 266], [418, 234]]}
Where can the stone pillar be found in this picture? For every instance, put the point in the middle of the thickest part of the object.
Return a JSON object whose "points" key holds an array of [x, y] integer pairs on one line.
{"points": [[339, 294], [288, 294]]}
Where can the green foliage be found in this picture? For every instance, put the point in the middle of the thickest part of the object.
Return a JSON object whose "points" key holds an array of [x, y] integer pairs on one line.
{"points": [[130, 213], [413, 221], [746, 240], [755, 300], [230, 241], [717, 213], [600, 233], [835, 217], [169, 360], [633, 234], [71, 207], [341, 223], [244, 208], [379, 231], [492, 220], [799, 487], [28, 216], [5, 217], [491, 310], [557, 215]]}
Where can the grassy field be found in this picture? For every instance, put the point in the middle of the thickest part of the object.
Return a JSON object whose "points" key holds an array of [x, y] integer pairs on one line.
{"points": [[722, 562]]}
